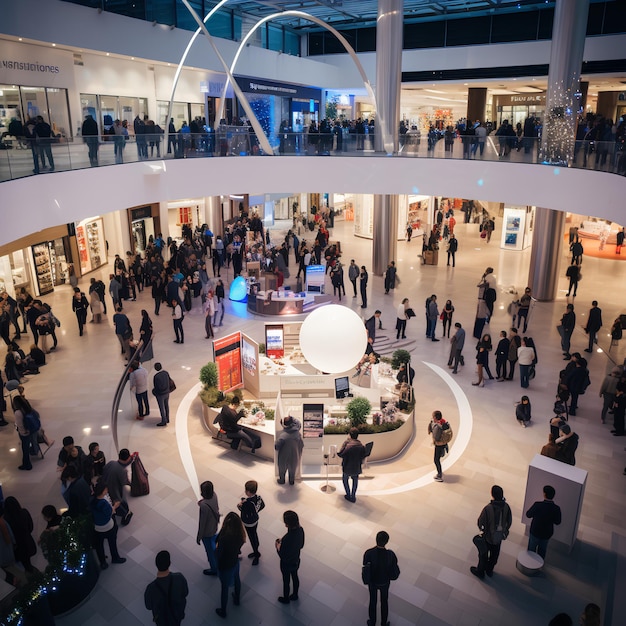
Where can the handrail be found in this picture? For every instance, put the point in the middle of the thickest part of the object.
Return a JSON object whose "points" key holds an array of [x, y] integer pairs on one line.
{"points": [[117, 397], [226, 141]]}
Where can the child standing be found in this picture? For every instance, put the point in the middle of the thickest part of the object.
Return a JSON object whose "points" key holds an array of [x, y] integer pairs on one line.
{"points": [[250, 507]]}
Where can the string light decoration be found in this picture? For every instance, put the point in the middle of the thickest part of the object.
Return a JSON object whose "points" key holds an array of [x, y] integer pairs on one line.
{"points": [[67, 550], [559, 126]]}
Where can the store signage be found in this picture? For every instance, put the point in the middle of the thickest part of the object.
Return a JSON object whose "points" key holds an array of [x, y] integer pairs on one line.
{"points": [[521, 99], [274, 341], [272, 88], [141, 213], [227, 358], [23, 63], [313, 421], [306, 384]]}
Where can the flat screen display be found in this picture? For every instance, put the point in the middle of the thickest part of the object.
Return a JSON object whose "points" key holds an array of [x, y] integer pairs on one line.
{"points": [[342, 387]]}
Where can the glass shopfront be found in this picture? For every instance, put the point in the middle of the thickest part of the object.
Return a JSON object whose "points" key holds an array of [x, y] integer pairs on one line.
{"points": [[49, 260], [107, 109], [18, 104], [14, 273], [91, 244]]}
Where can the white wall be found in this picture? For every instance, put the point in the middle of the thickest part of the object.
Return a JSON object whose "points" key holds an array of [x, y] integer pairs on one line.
{"points": [[68, 196]]}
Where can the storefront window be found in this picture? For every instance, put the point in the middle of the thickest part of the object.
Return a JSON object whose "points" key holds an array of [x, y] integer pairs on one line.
{"points": [[59, 112], [34, 102], [9, 107]]}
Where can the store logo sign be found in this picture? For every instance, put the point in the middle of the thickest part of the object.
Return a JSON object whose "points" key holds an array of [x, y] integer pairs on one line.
{"points": [[27, 66]]}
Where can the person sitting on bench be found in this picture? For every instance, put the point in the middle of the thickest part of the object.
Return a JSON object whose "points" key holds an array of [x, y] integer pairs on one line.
{"points": [[228, 421]]}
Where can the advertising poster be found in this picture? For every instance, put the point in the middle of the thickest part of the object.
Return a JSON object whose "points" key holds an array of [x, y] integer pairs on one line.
{"points": [[83, 253], [248, 354], [315, 275], [275, 341], [227, 357], [313, 421]]}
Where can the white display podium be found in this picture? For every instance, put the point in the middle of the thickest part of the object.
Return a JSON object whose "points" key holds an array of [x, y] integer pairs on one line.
{"points": [[569, 483]]}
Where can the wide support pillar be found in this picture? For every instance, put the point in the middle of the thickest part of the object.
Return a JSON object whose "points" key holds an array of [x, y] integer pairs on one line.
{"points": [[385, 232], [563, 96], [214, 215], [389, 34], [548, 232], [476, 104]]}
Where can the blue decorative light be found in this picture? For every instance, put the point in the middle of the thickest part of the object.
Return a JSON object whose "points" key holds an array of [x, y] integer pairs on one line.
{"points": [[238, 290], [480, 182]]}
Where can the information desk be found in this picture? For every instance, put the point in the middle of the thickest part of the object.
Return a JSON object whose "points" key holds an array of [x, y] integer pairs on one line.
{"points": [[278, 303], [264, 431]]}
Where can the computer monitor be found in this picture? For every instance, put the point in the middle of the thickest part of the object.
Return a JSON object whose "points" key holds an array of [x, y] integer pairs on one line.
{"points": [[342, 387]]}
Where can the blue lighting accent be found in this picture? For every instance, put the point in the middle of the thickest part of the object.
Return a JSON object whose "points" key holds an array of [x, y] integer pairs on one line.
{"points": [[238, 290], [557, 171], [480, 182], [416, 190]]}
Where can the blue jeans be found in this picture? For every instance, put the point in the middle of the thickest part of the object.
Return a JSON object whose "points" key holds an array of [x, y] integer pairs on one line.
{"points": [[430, 329], [524, 370], [538, 545], [209, 546], [355, 484], [142, 403]]}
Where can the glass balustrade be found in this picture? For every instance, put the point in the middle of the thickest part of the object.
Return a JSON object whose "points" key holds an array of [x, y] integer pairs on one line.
{"points": [[20, 157]]}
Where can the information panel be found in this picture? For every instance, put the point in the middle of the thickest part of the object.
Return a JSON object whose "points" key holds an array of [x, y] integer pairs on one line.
{"points": [[313, 421], [227, 357], [315, 275], [274, 341]]}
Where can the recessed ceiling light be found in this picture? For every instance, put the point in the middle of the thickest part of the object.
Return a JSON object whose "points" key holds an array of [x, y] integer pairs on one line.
{"points": [[108, 54], [54, 45], [19, 39]]}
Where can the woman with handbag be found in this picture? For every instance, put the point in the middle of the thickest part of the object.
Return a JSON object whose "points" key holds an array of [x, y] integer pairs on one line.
{"points": [[446, 317], [104, 524], [207, 525]]}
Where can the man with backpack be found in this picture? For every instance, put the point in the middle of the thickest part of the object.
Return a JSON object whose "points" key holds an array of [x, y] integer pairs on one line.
{"points": [[166, 596], [494, 523], [441, 433]]}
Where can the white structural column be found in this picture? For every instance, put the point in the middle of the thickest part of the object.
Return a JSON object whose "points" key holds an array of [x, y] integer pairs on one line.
{"points": [[557, 144], [389, 35]]}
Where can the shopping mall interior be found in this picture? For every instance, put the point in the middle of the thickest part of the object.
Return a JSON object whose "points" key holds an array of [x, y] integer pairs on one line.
{"points": [[86, 215]]}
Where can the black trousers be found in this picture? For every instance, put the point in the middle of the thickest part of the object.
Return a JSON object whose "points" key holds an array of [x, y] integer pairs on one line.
{"points": [[384, 603], [290, 575], [488, 560]]}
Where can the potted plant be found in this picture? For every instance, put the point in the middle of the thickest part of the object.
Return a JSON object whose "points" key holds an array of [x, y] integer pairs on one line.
{"points": [[358, 409], [399, 357]]}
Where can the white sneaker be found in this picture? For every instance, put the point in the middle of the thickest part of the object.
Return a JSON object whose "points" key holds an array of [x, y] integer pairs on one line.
{"points": [[439, 479]]}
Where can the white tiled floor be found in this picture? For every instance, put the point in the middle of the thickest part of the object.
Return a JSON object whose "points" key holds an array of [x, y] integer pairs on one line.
{"points": [[431, 526]]}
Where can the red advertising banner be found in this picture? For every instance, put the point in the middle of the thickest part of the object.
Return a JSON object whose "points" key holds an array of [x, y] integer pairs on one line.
{"points": [[227, 357]]}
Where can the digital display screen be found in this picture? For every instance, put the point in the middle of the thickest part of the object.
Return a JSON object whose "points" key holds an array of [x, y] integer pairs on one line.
{"points": [[342, 387]]}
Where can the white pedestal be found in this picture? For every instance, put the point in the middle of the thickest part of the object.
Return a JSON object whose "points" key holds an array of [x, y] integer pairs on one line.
{"points": [[569, 483]]}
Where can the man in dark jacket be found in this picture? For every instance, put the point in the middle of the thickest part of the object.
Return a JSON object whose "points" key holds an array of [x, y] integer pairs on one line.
{"points": [[545, 515], [575, 381], [594, 324], [502, 356], [383, 568], [352, 453], [494, 522], [161, 391], [44, 139], [90, 133], [166, 596], [573, 273], [566, 328], [289, 445]]}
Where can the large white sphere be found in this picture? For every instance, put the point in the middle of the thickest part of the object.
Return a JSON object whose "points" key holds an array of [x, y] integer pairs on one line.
{"points": [[333, 338]]}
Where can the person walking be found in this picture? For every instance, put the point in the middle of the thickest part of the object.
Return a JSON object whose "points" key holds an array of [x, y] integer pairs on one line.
{"points": [[515, 341], [138, 380], [432, 314], [115, 477], [441, 433], [166, 595], [574, 275], [352, 453], [446, 317], [523, 308], [228, 545], [456, 348], [608, 389], [289, 445], [380, 567], [526, 358], [565, 329], [103, 512], [494, 522], [250, 506], [178, 317], [453, 246], [161, 391], [390, 277], [594, 324], [288, 549], [401, 319], [545, 516], [502, 356], [80, 306], [353, 274], [207, 525], [123, 331], [363, 278]]}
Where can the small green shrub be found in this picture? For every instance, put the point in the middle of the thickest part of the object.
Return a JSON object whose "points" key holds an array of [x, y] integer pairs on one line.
{"points": [[358, 409], [365, 429], [261, 348], [399, 357], [208, 375]]}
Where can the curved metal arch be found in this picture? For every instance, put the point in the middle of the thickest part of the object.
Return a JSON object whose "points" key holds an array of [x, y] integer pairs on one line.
{"points": [[387, 142], [181, 63], [261, 136]]}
